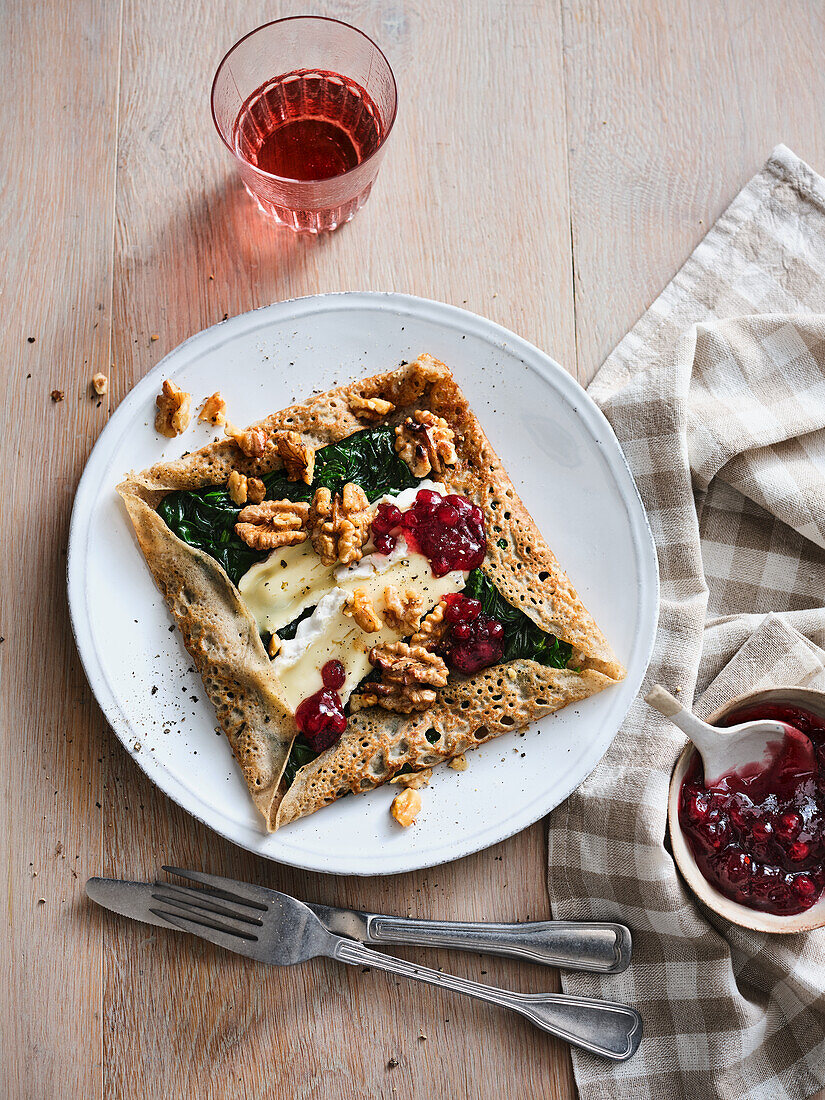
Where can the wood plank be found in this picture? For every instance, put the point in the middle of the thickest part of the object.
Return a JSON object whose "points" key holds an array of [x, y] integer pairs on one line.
{"points": [[470, 207], [58, 119], [671, 109]]}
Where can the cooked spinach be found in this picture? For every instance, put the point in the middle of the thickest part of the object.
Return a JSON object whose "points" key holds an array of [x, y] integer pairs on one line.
{"points": [[206, 518], [299, 755], [291, 629], [522, 638], [366, 458]]}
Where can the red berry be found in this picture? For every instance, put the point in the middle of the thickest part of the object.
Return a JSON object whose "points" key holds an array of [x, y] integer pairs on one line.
{"points": [[447, 515], [333, 675], [321, 719], [474, 657], [804, 887], [738, 866], [427, 496], [788, 825], [798, 851]]}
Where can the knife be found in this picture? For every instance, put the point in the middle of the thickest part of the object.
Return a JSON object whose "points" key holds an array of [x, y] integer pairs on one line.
{"points": [[601, 947]]}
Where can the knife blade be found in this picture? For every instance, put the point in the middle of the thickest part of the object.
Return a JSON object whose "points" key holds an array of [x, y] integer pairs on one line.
{"points": [[603, 947]]}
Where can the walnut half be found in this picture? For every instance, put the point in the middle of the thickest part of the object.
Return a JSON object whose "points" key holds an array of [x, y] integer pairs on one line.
{"points": [[173, 413], [432, 629], [253, 442], [339, 525], [426, 443], [273, 524], [298, 457], [359, 607], [409, 675], [403, 609]]}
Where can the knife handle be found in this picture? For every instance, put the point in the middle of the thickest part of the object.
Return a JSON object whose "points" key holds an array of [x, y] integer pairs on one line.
{"points": [[604, 948], [607, 1028]]}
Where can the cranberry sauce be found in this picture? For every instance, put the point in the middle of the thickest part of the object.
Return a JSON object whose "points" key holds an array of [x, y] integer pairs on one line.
{"points": [[758, 835], [321, 718], [474, 640], [447, 530]]}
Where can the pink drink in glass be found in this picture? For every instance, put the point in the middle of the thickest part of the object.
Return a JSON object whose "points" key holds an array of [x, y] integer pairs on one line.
{"points": [[308, 140]]}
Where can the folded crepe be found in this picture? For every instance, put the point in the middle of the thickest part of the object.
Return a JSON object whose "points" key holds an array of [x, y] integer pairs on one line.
{"points": [[223, 638]]}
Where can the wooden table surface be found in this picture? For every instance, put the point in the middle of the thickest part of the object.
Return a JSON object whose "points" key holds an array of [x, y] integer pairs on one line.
{"points": [[552, 166]]}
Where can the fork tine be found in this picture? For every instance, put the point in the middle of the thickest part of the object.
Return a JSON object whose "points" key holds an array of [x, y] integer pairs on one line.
{"points": [[233, 941], [185, 898], [229, 889]]}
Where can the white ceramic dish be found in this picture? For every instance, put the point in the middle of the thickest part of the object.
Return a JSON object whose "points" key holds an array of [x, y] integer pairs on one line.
{"points": [[814, 917], [562, 456]]}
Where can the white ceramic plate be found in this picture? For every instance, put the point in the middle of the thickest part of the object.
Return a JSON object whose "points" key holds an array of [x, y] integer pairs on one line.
{"points": [[565, 462]]}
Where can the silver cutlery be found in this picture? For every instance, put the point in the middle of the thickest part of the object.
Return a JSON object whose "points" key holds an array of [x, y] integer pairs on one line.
{"points": [[572, 945], [275, 928]]}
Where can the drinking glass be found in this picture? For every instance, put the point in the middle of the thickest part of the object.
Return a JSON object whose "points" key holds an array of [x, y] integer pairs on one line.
{"points": [[305, 105]]}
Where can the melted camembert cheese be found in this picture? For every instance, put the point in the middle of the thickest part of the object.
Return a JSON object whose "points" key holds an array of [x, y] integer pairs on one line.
{"points": [[292, 579]]}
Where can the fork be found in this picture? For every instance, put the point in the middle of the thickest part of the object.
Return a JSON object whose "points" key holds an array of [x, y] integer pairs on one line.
{"points": [[275, 928]]}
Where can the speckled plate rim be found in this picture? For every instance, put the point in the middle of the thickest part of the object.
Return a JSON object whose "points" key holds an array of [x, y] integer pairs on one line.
{"points": [[608, 708], [753, 919]]}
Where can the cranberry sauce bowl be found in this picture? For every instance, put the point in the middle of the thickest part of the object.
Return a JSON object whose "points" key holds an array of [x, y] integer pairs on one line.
{"points": [[752, 846]]}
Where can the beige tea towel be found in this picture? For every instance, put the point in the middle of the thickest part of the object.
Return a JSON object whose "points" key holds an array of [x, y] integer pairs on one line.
{"points": [[718, 399]]}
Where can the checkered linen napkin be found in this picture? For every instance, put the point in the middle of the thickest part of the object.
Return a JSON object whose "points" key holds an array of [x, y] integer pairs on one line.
{"points": [[718, 399]]}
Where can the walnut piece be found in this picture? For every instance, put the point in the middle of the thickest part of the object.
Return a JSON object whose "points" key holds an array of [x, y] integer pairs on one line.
{"points": [[409, 675], [298, 457], [426, 442], [173, 413], [254, 442], [403, 609], [273, 524], [458, 763], [339, 525], [416, 780], [369, 408], [432, 629], [255, 490], [359, 607], [236, 487], [405, 664], [213, 409], [243, 489], [100, 383], [406, 806]]}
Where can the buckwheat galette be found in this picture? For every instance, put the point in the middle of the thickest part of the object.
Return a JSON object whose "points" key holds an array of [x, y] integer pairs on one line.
{"points": [[362, 590]]}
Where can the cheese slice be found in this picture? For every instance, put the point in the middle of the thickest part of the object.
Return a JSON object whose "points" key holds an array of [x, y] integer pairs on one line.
{"points": [[330, 635], [291, 579]]}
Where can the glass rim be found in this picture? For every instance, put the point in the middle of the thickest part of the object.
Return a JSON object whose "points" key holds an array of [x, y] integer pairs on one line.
{"points": [[313, 19]]}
